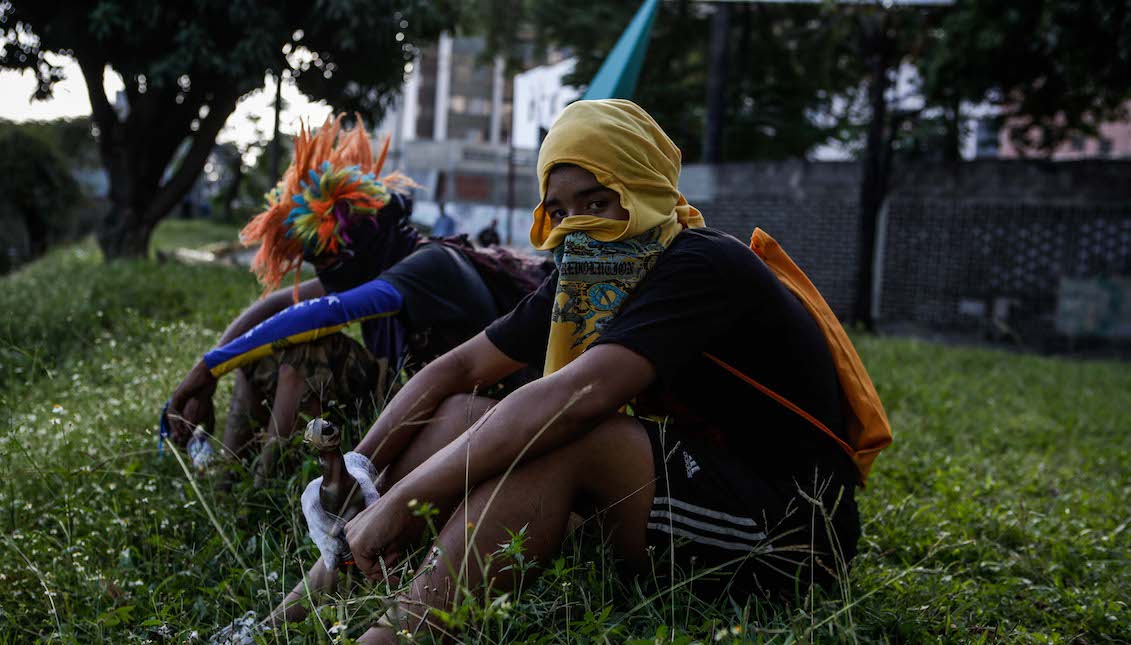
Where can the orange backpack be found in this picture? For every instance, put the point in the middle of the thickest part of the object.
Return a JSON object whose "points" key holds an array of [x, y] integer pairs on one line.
{"points": [[866, 424]]}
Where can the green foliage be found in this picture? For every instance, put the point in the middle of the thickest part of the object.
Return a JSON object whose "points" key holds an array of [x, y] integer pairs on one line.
{"points": [[194, 234], [69, 137], [785, 65], [1060, 67], [998, 515], [359, 64], [796, 73], [186, 64], [39, 197]]}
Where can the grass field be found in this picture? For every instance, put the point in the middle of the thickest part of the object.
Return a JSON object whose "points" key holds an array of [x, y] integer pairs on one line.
{"points": [[999, 514]]}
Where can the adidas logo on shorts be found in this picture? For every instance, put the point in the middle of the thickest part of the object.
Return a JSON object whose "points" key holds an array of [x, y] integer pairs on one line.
{"points": [[689, 463]]}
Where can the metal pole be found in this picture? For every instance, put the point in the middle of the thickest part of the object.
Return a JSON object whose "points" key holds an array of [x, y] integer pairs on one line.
{"points": [[716, 85], [510, 189]]}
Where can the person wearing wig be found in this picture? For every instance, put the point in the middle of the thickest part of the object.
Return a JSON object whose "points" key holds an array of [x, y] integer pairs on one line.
{"points": [[412, 296], [635, 418]]}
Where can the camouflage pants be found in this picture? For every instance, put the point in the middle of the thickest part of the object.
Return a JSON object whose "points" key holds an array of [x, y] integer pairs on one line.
{"points": [[339, 375]]}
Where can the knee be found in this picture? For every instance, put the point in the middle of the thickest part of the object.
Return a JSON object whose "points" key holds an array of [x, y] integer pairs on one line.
{"points": [[244, 395], [619, 433], [289, 375], [462, 409]]}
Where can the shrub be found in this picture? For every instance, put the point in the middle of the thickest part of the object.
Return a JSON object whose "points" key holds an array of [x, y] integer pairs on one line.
{"points": [[39, 198]]}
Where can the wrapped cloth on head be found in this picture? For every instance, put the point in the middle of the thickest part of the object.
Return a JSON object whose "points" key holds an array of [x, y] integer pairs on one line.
{"points": [[600, 261]]}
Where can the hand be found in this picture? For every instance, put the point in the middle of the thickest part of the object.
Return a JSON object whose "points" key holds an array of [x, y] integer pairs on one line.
{"points": [[327, 531], [191, 404], [377, 534]]}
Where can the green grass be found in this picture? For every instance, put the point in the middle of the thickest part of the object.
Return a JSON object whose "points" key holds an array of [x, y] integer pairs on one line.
{"points": [[187, 233], [999, 514]]}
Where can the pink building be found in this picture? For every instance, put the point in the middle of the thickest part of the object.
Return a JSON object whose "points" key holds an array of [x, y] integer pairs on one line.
{"points": [[1113, 142]]}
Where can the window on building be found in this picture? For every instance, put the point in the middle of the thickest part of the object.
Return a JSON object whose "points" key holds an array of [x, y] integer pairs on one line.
{"points": [[480, 106], [458, 104], [1105, 147], [462, 72]]}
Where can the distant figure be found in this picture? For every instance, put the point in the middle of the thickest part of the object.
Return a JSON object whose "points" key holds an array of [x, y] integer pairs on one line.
{"points": [[444, 225], [490, 236]]}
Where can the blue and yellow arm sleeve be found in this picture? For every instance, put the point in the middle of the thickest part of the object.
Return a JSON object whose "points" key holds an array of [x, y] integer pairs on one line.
{"points": [[304, 322]]}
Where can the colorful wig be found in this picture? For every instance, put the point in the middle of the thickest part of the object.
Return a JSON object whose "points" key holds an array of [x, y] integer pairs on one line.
{"points": [[331, 184]]}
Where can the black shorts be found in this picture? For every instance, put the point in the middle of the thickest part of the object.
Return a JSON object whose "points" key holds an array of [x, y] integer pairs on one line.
{"points": [[731, 530]]}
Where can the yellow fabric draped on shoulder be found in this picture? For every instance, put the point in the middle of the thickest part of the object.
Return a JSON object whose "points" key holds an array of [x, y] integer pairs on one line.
{"points": [[627, 151]]}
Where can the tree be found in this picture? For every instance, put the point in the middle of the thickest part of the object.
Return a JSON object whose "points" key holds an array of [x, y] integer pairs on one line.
{"points": [[186, 64], [783, 71], [1054, 68]]}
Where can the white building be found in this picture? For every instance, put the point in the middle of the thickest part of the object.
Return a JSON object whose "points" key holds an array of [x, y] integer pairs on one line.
{"points": [[453, 124]]}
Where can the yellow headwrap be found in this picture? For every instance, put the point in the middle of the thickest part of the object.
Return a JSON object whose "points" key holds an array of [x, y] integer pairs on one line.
{"points": [[626, 151]]}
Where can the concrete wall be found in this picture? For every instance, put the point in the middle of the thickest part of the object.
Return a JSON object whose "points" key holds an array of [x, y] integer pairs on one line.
{"points": [[958, 241]]}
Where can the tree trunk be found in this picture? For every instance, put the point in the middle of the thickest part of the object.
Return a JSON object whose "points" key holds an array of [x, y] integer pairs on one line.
{"points": [[136, 152], [877, 48], [716, 85], [952, 147], [276, 152], [119, 240]]}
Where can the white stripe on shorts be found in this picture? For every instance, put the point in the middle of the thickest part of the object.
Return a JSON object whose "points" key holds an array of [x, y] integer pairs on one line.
{"points": [[706, 512], [714, 528], [694, 537]]}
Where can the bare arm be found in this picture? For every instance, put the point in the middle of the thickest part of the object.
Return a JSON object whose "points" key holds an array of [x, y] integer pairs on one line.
{"points": [[543, 415], [535, 419], [199, 383], [475, 364], [268, 306]]}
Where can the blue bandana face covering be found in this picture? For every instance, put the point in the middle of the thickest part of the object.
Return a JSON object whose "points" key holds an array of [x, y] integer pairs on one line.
{"points": [[594, 279]]}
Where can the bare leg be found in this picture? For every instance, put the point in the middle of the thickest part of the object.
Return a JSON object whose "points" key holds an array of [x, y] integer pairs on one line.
{"points": [[284, 418], [452, 419], [454, 416], [319, 579], [608, 470], [246, 406]]}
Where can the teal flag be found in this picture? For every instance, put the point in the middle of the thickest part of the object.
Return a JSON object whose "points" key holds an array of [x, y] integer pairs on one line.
{"points": [[617, 77]]}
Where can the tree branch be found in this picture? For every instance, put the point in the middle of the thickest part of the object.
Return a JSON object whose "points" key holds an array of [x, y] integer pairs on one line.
{"points": [[101, 110], [167, 127], [202, 143]]}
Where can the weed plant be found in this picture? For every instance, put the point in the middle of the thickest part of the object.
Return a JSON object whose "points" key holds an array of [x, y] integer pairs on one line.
{"points": [[998, 515]]}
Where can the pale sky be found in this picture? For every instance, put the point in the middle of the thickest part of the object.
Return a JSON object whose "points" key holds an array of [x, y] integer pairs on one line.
{"points": [[71, 99]]}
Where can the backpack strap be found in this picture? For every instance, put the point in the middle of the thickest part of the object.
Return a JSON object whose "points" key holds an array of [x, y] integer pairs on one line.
{"points": [[784, 402]]}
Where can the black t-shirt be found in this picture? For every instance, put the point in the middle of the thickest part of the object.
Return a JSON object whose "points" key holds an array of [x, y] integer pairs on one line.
{"points": [[445, 299], [709, 293]]}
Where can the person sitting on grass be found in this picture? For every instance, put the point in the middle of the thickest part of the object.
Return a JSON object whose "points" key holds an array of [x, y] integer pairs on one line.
{"points": [[415, 298], [653, 334]]}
